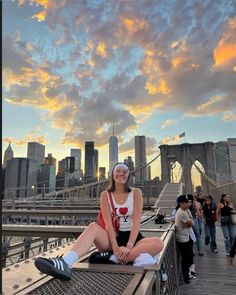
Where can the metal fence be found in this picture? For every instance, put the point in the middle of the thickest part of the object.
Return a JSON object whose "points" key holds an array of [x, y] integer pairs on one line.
{"points": [[229, 189]]}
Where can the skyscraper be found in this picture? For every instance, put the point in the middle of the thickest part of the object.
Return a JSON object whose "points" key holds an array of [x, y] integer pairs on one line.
{"points": [[96, 164], [89, 162], [113, 151], [130, 163], [62, 178], [77, 154], [102, 173], [36, 151], [20, 178], [46, 179], [50, 161], [8, 155], [140, 158]]}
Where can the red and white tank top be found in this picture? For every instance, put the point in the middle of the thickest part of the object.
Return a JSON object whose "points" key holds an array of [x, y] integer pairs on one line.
{"points": [[125, 212]]}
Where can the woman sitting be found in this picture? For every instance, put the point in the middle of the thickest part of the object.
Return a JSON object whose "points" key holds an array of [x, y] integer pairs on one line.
{"points": [[128, 246]]}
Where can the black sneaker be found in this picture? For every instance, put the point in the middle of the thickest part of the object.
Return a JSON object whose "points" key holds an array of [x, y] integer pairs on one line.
{"points": [[55, 267], [101, 257]]}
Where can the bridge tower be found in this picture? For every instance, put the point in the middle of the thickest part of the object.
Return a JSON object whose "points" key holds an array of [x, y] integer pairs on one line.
{"points": [[186, 154]]}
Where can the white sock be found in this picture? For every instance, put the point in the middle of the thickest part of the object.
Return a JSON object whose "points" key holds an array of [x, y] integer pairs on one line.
{"points": [[144, 259], [113, 258], [71, 257]]}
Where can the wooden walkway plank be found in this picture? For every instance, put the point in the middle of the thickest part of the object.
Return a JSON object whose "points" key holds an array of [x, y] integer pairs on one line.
{"points": [[214, 274]]}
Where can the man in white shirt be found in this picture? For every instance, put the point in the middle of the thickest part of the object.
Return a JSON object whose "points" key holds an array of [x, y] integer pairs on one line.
{"points": [[183, 222]]}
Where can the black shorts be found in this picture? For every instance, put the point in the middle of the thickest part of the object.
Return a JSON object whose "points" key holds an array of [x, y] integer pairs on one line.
{"points": [[123, 238]]}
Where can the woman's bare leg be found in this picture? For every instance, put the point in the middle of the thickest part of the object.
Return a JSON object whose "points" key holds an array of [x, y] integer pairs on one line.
{"points": [[94, 233], [152, 245]]}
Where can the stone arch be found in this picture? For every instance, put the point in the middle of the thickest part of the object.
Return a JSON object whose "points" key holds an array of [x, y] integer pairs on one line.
{"points": [[176, 171], [186, 154], [195, 174]]}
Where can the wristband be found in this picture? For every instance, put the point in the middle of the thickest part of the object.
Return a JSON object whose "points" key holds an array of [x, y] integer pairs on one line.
{"points": [[130, 244]]}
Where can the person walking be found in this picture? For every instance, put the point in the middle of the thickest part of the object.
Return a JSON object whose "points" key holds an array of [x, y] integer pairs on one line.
{"points": [[192, 239], [209, 219], [127, 246], [183, 223], [196, 211], [223, 212]]}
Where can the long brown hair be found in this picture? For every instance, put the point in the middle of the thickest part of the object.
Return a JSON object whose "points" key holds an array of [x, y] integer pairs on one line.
{"points": [[112, 185], [222, 198]]}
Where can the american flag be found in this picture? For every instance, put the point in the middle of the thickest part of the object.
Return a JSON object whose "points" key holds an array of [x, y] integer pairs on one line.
{"points": [[182, 135]]}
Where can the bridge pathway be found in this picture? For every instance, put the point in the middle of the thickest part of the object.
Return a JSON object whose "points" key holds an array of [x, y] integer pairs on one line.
{"points": [[214, 274]]}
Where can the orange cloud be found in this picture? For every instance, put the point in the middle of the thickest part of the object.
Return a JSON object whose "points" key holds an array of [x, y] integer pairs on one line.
{"points": [[40, 16], [171, 139], [101, 50], [225, 51], [28, 75], [134, 25], [46, 4], [144, 110], [151, 70], [38, 99], [149, 64], [177, 61], [203, 107], [160, 87], [29, 137], [228, 117]]}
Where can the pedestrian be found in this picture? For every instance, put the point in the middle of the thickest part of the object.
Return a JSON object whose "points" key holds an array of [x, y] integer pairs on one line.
{"points": [[201, 198], [209, 219], [127, 246], [196, 211], [224, 209], [183, 222], [192, 239]]}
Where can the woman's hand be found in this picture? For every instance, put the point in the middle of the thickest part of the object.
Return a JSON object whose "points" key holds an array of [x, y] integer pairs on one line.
{"points": [[121, 254]]}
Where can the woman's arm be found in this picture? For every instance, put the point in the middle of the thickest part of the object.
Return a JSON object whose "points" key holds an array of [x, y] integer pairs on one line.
{"points": [[137, 214], [106, 213]]}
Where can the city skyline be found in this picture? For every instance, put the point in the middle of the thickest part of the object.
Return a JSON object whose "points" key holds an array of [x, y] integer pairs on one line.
{"points": [[73, 69]]}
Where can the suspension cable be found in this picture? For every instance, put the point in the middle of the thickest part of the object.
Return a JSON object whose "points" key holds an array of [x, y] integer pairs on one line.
{"points": [[211, 181], [219, 152]]}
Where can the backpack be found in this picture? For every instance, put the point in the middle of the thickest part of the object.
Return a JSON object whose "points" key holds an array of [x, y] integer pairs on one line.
{"points": [[160, 219]]}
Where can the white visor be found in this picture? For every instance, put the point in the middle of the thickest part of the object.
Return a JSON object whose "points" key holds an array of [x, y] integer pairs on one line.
{"points": [[122, 166]]}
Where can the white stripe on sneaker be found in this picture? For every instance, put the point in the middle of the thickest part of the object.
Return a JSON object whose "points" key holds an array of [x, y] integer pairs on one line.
{"points": [[61, 265], [58, 264], [54, 262]]}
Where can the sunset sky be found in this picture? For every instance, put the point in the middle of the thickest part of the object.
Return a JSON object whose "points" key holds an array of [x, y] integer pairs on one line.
{"points": [[72, 68]]}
